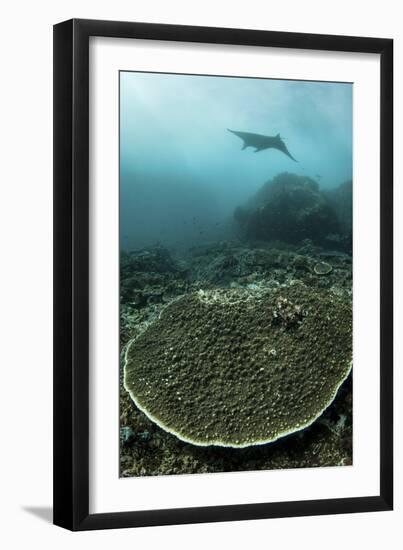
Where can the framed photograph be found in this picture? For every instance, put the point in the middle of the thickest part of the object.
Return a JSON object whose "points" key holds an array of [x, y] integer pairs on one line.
{"points": [[223, 242]]}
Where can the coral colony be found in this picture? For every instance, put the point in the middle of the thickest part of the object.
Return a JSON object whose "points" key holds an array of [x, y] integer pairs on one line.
{"points": [[235, 275], [243, 344], [239, 367]]}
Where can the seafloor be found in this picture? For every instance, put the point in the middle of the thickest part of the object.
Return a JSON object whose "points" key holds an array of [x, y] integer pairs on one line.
{"points": [[151, 278]]}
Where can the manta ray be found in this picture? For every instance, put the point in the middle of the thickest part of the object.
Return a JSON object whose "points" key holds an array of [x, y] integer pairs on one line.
{"points": [[261, 142]]}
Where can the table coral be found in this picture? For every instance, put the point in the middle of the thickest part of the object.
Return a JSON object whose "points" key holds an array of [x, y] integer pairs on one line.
{"points": [[239, 367]]}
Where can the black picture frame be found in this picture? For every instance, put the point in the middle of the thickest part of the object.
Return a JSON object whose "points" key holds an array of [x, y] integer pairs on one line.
{"points": [[71, 274]]}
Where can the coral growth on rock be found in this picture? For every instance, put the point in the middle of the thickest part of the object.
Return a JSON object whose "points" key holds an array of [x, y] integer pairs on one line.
{"points": [[322, 268], [289, 208], [240, 367], [341, 200]]}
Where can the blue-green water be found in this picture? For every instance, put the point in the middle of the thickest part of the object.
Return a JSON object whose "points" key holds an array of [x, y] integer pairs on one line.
{"points": [[182, 174]]}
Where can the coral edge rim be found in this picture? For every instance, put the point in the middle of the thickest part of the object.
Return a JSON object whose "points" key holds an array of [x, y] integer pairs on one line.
{"points": [[218, 443]]}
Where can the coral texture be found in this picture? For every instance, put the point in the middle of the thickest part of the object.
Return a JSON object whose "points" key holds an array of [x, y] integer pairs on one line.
{"points": [[322, 268], [240, 367], [290, 208]]}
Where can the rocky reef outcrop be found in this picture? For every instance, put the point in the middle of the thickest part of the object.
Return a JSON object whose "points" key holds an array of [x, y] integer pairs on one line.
{"points": [[150, 274], [341, 200], [291, 208], [154, 277]]}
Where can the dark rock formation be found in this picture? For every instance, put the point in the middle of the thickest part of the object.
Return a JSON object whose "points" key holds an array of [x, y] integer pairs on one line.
{"points": [[341, 201], [289, 208]]}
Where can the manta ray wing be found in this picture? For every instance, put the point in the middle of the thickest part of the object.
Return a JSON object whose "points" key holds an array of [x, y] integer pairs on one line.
{"points": [[282, 147], [250, 140]]}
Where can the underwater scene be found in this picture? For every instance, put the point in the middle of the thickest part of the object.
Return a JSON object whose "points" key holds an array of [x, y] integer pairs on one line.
{"points": [[235, 274]]}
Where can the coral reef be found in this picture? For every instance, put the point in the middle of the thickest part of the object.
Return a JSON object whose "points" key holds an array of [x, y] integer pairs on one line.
{"points": [[147, 449], [290, 208], [232, 262], [153, 451], [149, 274], [241, 367], [341, 200], [322, 268], [148, 278], [268, 265]]}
